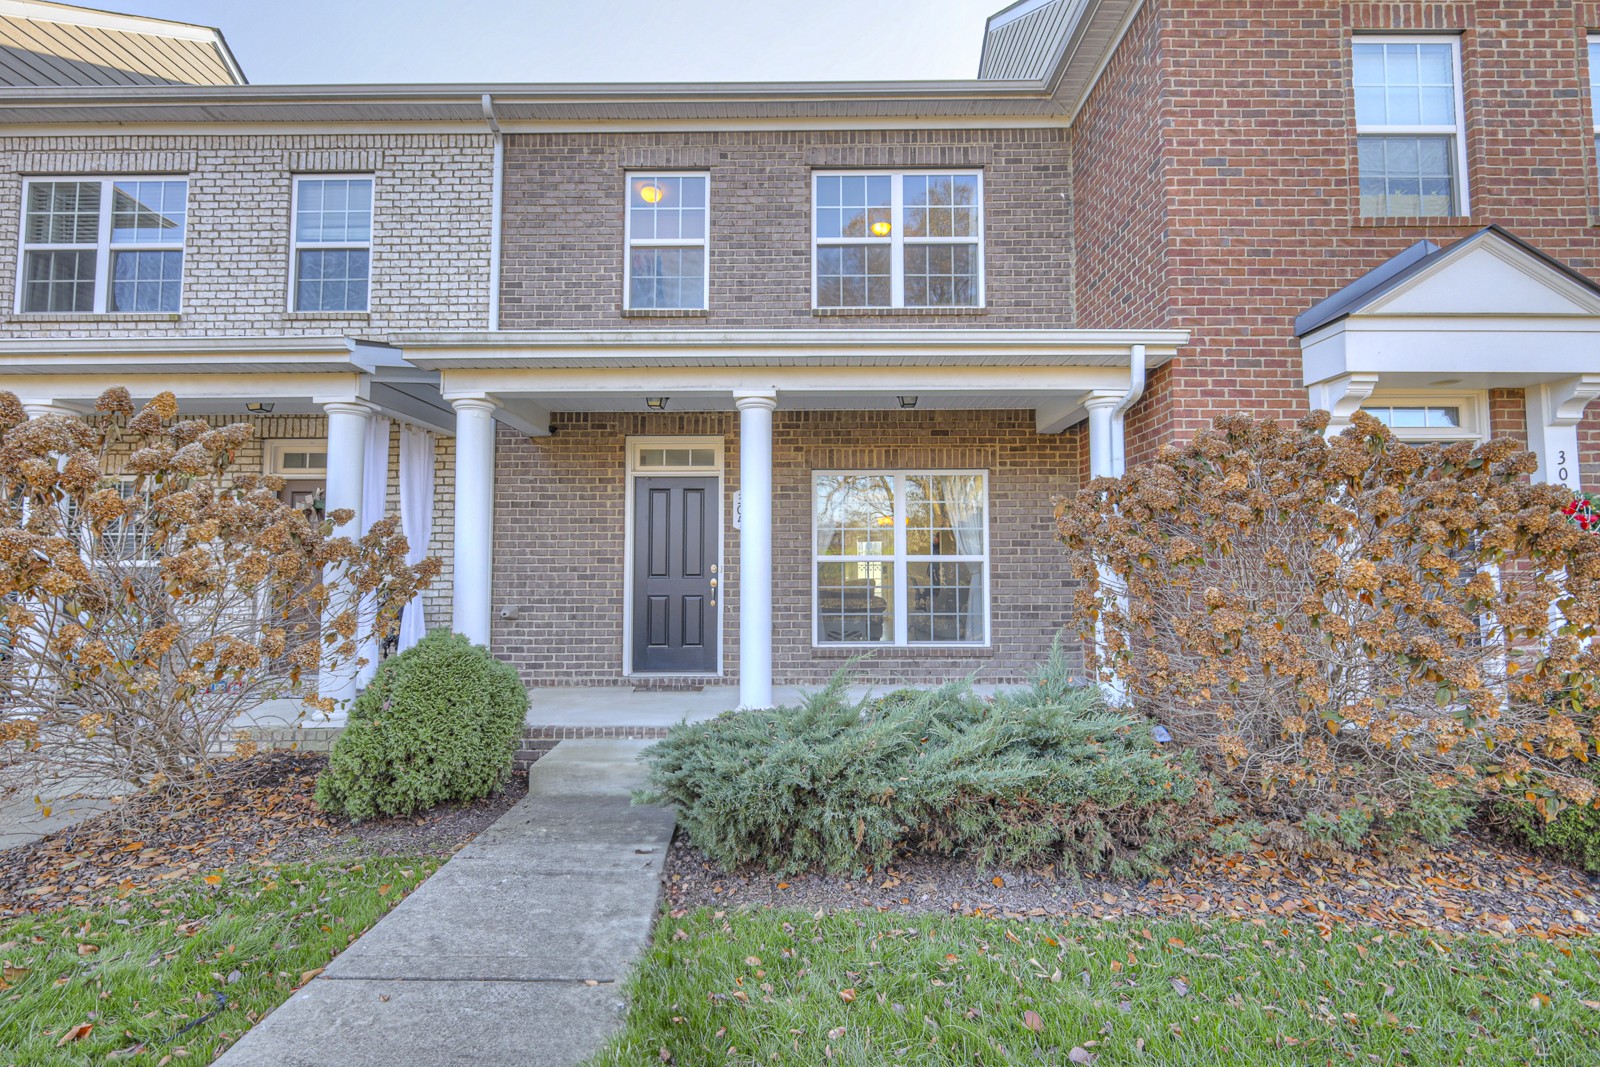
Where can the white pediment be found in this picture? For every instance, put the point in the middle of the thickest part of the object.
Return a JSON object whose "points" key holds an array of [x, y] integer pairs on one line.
{"points": [[1487, 276]]}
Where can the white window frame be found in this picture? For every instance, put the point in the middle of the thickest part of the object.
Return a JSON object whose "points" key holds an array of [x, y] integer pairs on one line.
{"points": [[1473, 406], [1458, 131], [277, 448], [103, 248], [628, 240], [1594, 90], [296, 246], [633, 470], [899, 558], [897, 240]]}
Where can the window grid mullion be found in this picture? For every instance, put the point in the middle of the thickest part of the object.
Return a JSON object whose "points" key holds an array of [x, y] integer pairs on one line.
{"points": [[897, 246], [902, 602], [102, 259]]}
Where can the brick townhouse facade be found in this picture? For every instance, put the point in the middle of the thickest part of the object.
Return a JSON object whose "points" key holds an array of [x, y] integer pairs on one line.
{"points": [[735, 383]]}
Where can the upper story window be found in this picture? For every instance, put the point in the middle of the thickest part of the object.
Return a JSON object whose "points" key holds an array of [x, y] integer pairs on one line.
{"points": [[666, 236], [331, 264], [897, 240], [1594, 88], [96, 245], [1411, 133]]}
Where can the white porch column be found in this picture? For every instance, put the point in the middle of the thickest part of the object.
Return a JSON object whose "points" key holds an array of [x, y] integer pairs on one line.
{"points": [[1102, 449], [1554, 411], [347, 451], [474, 529], [755, 548]]}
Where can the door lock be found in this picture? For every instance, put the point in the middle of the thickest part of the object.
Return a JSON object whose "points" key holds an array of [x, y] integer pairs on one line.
{"points": [[713, 583]]}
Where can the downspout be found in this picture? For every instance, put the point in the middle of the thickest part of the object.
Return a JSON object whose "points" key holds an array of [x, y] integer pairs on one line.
{"points": [[496, 210], [1136, 381]]}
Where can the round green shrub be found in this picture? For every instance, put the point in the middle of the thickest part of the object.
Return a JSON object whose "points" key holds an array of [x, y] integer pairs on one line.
{"points": [[439, 723], [1573, 836]]}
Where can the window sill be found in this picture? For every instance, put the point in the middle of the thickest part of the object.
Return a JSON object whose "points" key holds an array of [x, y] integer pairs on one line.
{"points": [[1374, 222], [666, 313], [896, 312], [90, 316], [330, 316], [914, 651]]}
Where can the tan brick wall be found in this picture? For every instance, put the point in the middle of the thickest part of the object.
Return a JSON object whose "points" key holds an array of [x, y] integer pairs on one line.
{"points": [[430, 248], [560, 537], [1257, 132], [564, 223]]}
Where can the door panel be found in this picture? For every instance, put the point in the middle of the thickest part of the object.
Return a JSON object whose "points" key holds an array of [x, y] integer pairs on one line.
{"points": [[676, 547]]}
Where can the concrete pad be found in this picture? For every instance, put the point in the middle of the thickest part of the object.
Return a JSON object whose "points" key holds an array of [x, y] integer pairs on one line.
{"points": [[578, 819], [620, 706], [470, 1024], [492, 922], [69, 801]]}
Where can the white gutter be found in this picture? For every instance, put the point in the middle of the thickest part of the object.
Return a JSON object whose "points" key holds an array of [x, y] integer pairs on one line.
{"points": [[496, 210], [1136, 383]]}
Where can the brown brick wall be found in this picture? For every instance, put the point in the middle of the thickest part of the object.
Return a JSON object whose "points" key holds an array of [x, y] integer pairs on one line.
{"points": [[564, 223], [1258, 131], [560, 549]]}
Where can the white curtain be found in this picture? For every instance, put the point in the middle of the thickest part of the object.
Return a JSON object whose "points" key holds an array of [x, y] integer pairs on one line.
{"points": [[374, 491], [416, 519], [963, 497]]}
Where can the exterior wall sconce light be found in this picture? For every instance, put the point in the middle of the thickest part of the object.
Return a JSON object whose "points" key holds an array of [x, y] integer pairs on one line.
{"points": [[259, 408], [656, 403], [907, 401]]}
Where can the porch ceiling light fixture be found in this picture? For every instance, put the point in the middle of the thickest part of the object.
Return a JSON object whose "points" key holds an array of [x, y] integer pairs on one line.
{"points": [[656, 403], [881, 229], [651, 194], [258, 408], [907, 401], [1446, 381]]}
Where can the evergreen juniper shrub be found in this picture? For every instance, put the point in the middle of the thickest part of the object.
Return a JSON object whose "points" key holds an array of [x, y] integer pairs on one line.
{"points": [[1044, 774]]}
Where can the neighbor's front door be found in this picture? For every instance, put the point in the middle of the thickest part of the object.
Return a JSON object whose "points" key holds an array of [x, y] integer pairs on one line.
{"points": [[676, 583]]}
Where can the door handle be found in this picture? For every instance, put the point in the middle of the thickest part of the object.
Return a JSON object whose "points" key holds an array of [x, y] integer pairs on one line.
{"points": [[713, 583]]}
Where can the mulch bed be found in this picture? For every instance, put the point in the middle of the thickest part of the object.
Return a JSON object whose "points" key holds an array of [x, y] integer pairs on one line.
{"points": [[1476, 884], [258, 810]]}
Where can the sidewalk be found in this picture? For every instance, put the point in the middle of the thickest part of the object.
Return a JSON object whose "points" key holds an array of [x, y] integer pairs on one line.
{"points": [[491, 961], [23, 820]]}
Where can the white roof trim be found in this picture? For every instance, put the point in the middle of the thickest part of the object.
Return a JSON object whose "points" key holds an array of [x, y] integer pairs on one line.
{"points": [[40, 11]]}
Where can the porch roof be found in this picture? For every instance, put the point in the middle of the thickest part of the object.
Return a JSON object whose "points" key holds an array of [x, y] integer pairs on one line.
{"points": [[221, 375]]}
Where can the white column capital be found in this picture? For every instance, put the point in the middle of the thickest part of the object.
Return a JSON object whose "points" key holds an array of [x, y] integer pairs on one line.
{"points": [[35, 409], [346, 405], [1103, 399], [764, 398], [482, 405]]}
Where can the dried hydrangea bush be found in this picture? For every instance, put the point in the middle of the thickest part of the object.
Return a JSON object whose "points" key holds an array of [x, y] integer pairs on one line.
{"points": [[141, 613], [1361, 633]]}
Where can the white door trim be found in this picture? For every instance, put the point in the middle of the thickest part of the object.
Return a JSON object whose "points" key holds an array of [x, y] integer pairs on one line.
{"points": [[632, 447]]}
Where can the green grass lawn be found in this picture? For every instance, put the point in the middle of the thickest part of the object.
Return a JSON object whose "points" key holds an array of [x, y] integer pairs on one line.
{"points": [[140, 971], [865, 988]]}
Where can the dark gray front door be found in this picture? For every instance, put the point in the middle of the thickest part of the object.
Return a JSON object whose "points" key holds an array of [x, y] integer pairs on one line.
{"points": [[676, 526]]}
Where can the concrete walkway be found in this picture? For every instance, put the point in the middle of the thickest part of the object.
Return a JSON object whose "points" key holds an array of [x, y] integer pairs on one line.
{"points": [[512, 953], [23, 820]]}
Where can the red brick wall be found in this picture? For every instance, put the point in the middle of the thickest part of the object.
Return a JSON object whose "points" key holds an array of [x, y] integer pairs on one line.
{"points": [[1263, 218], [560, 537]]}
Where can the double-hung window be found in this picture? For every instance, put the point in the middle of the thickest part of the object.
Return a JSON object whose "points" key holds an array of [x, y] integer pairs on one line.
{"points": [[331, 263], [901, 558], [897, 240], [665, 268], [98, 245], [1410, 127]]}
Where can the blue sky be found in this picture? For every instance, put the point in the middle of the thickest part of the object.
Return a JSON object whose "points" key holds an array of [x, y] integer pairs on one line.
{"points": [[325, 41]]}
